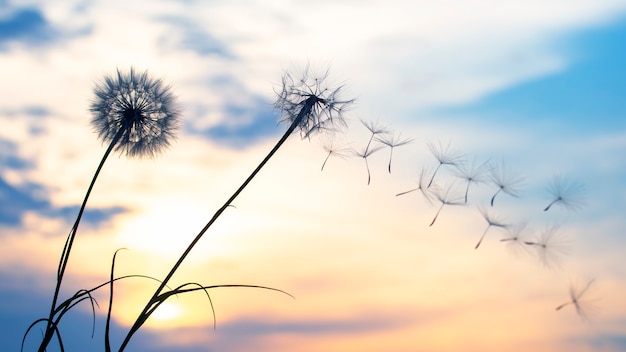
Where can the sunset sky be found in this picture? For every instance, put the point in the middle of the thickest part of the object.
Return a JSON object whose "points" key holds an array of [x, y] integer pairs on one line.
{"points": [[534, 91]]}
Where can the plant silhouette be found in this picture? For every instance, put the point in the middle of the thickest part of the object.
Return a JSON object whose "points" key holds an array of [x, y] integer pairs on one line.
{"points": [[309, 106], [136, 115]]}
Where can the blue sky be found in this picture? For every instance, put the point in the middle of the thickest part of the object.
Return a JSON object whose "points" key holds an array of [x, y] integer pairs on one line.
{"points": [[538, 85]]}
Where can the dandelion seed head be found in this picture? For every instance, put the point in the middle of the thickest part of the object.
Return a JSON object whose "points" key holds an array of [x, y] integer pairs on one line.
{"points": [[136, 111], [322, 106]]}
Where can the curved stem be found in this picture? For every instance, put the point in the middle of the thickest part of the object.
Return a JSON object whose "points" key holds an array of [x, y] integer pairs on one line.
{"points": [[145, 313], [65, 254]]}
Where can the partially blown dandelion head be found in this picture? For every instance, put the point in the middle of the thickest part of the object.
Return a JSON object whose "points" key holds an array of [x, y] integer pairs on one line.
{"points": [[136, 112], [311, 104]]}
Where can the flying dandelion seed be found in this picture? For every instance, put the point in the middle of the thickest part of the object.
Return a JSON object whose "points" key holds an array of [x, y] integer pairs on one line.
{"points": [[506, 181], [444, 155], [135, 112], [566, 193], [375, 129], [551, 246], [516, 236], [333, 150], [421, 186], [492, 221], [472, 173], [392, 140], [579, 300], [444, 197], [364, 154]]}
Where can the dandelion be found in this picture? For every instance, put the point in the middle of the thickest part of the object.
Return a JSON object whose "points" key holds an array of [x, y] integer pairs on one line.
{"points": [[551, 246], [136, 113], [444, 156], [421, 186], [472, 173], [392, 140], [445, 198], [506, 182], [309, 106], [578, 299], [566, 193], [334, 150], [492, 221]]}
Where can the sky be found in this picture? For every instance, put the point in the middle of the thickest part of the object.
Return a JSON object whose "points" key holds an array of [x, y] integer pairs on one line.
{"points": [[526, 92]]}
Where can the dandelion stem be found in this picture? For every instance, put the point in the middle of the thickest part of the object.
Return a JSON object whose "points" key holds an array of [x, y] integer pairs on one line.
{"points": [[65, 254], [144, 315]]}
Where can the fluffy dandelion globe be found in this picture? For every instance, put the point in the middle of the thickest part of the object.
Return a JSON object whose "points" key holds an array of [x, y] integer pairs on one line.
{"points": [[135, 113], [308, 102]]}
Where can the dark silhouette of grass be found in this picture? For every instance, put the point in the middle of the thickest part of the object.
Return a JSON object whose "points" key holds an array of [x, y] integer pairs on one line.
{"points": [[444, 156], [565, 193]]}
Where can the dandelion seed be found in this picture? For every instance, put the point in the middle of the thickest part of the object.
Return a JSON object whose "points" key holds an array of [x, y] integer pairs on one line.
{"points": [[444, 156], [516, 237], [421, 186], [333, 150], [506, 182], [578, 299], [551, 246], [472, 173], [135, 112], [392, 140], [444, 197], [375, 129], [492, 221], [311, 104], [565, 193], [364, 154]]}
